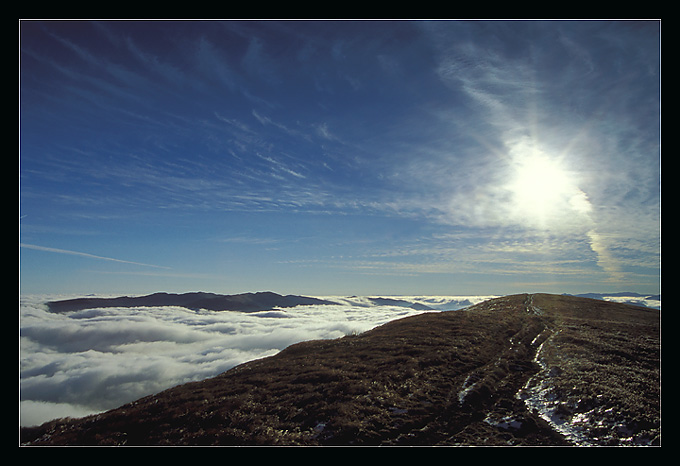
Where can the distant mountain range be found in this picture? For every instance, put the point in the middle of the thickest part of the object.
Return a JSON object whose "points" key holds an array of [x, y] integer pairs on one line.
{"points": [[245, 302], [529, 369], [266, 301], [401, 303]]}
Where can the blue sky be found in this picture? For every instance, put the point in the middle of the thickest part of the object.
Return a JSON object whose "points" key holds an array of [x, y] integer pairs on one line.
{"points": [[339, 157]]}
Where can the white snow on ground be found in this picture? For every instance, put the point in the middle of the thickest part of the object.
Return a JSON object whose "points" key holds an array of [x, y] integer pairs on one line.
{"points": [[538, 394]]}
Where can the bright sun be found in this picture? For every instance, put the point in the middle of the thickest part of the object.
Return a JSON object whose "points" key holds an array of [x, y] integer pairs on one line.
{"points": [[539, 183], [543, 190]]}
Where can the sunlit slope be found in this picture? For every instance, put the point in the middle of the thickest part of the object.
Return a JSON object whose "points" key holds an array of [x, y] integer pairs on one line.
{"points": [[518, 370], [600, 381]]}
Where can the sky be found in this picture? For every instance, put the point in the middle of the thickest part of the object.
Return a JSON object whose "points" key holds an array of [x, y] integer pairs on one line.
{"points": [[339, 157]]}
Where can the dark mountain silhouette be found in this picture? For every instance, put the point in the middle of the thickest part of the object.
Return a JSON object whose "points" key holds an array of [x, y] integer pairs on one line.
{"points": [[246, 302], [399, 302], [518, 370]]}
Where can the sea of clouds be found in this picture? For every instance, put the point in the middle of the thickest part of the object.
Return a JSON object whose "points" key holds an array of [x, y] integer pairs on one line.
{"points": [[79, 363]]}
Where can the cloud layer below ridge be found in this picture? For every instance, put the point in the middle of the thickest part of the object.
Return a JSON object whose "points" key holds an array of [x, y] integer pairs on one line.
{"points": [[78, 363]]}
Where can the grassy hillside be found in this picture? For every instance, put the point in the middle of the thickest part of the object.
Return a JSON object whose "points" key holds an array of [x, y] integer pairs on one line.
{"points": [[517, 370]]}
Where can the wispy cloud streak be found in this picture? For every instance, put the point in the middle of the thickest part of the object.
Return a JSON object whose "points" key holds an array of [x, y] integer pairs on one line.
{"points": [[84, 254]]}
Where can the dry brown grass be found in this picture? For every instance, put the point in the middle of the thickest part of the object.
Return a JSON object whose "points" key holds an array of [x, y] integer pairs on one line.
{"points": [[432, 379]]}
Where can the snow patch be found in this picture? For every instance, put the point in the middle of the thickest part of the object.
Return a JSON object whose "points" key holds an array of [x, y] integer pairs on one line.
{"points": [[504, 423]]}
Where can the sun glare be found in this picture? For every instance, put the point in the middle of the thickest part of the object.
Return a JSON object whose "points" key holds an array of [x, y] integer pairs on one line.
{"points": [[539, 183], [543, 191]]}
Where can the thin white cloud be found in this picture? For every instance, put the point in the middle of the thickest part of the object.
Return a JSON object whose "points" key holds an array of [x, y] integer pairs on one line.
{"points": [[257, 63], [604, 257], [253, 240], [267, 121], [323, 131], [153, 63], [213, 65], [84, 254]]}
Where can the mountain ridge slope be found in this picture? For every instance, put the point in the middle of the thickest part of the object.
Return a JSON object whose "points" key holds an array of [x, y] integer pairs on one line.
{"points": [[470, 377]]}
